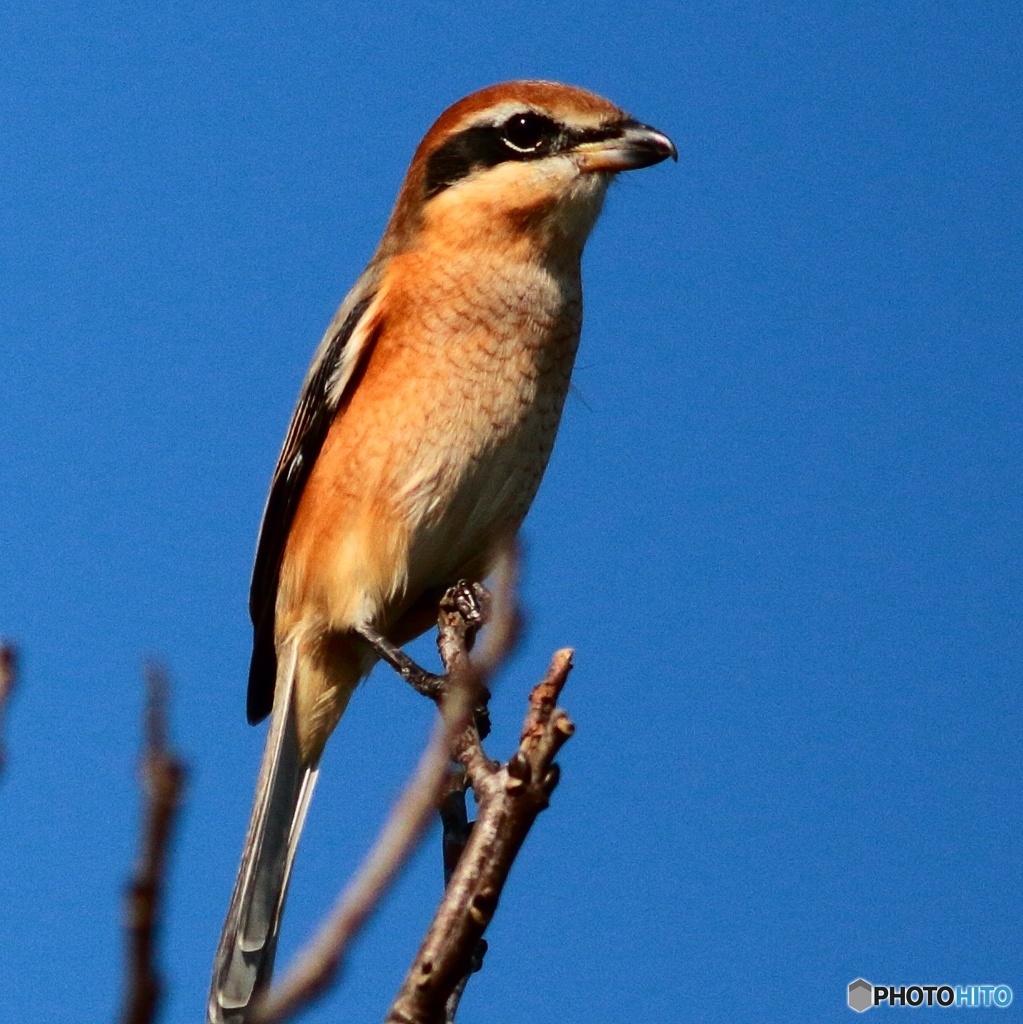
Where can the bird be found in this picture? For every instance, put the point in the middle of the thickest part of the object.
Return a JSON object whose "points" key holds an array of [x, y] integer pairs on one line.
{"points": [[422, 430]]}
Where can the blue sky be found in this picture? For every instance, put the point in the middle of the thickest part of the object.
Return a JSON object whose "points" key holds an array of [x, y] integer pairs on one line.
{"points": [[782, 526]]}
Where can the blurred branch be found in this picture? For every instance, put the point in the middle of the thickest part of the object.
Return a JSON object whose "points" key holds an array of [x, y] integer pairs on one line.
{"points": [[8, 682], [162, 778]]}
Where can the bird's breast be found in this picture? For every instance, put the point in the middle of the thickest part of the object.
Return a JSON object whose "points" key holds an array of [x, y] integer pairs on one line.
{"points": [[440, 442], [493, 355]]}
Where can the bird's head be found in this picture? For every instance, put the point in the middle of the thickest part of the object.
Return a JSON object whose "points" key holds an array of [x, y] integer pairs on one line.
{"points": [[531, 157]]}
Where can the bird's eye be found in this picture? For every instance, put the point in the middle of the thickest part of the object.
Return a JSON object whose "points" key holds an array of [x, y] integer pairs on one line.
{"points": [[525, 132]]}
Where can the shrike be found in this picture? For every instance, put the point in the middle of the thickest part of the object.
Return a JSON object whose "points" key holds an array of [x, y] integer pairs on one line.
{"points": [[422, 431]]}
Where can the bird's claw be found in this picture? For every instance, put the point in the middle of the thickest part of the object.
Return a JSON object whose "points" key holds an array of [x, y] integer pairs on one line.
{"points": [[470, 600]]}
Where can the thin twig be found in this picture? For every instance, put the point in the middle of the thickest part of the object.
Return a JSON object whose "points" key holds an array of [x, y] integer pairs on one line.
{"points": [[8, 681], [163, 778]]}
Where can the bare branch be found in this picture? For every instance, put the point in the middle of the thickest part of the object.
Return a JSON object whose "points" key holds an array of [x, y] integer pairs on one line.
{"points": [[509, 799], [162, 777], [8, 682]]}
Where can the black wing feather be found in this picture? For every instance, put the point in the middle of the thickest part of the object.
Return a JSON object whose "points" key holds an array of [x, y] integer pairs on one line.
{"points": [[309, 425]]}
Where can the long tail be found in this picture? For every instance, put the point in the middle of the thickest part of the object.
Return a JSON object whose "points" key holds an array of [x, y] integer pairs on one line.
{"points": [[248, 943]]}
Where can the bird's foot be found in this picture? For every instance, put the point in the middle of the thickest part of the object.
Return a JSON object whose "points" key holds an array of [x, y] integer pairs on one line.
{"points": [[470, 602], [427, 683], [470, 605]]}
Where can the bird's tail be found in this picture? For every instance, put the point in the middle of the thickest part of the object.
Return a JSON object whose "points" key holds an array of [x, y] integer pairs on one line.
{"points": [[245, 955]]}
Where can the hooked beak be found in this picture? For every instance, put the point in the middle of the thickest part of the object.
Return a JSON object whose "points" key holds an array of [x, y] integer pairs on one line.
{"points": [[633, 145]]}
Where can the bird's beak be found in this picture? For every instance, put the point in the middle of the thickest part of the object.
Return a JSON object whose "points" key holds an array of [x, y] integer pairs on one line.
{"points": [[635, 145]]}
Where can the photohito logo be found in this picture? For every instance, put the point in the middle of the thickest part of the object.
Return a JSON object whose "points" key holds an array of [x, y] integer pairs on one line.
{"points": [[863, 995]]}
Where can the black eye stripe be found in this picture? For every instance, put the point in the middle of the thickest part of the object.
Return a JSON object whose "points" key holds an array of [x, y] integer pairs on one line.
{"points": [[460, 156], [523, 136]]}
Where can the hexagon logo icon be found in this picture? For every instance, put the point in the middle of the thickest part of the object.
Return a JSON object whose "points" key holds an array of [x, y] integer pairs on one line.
{"points": [[861, 995]]}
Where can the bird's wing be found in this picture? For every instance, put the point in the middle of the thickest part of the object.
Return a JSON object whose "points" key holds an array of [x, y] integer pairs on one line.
{"points": [[332, 368]]}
